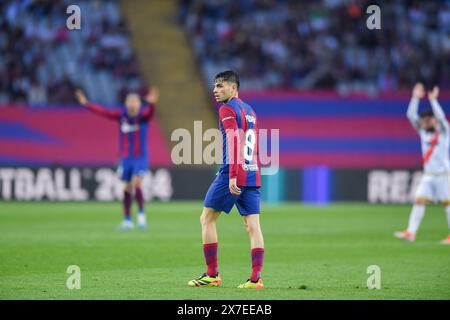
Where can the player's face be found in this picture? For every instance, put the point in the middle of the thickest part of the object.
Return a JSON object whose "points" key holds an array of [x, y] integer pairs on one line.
{"points": [[133, 103], [428, 123], [224, 90]]}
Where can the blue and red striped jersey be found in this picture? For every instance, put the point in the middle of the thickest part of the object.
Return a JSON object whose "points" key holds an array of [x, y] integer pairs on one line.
{"points": [[132, 129], [240, 143]]}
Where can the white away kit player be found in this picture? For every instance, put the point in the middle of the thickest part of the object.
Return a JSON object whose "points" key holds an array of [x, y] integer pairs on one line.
{"points": [[434, 132]]}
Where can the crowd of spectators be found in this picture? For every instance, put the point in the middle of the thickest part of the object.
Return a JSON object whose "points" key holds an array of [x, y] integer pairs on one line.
{"points": [[312, 44], [31, 31], [273, 44]]}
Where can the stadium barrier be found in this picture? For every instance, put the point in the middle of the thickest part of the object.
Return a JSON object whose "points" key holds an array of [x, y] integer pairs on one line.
{"points": [[313, 185]]}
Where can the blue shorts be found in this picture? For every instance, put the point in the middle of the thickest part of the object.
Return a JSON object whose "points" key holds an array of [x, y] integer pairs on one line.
{"points": [[220, 198], [132, 167]]}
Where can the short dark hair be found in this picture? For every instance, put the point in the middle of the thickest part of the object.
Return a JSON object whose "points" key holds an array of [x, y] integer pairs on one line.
{"points": [[426, 113], [229, 76]]}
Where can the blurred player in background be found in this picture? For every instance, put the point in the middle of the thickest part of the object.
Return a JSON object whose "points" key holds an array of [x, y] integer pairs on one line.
{"points": [[238, 182], [433, 129], [133, 126]]}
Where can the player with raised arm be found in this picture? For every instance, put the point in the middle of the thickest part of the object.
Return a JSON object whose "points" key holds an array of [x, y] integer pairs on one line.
{"points": [[133, 127], [237, 183], [434, 131]]}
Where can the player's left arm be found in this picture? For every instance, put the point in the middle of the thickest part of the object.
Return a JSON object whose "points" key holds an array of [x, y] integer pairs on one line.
{"points": [[413, 107], [151, 98], [228, 119], [437, 109]]}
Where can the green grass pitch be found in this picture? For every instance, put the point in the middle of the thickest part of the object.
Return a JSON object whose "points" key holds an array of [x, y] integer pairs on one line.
{"points": [[311, 253]]}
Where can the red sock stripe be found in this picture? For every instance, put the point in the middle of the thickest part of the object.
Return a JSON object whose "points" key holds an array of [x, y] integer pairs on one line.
{"points": [[126, 204], [257, 263], [210, 253]]}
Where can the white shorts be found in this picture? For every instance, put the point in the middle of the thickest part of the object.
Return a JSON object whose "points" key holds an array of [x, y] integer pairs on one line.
{"points": [[434, 188]]}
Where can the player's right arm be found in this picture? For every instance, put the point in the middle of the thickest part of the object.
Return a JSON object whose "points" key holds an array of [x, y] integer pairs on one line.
{"points": [[227, 117], [82, 99], [413, 107], [437, 109]]}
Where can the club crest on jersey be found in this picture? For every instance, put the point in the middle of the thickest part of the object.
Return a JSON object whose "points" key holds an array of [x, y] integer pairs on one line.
{"points": [[127, 128], [250, 118]]}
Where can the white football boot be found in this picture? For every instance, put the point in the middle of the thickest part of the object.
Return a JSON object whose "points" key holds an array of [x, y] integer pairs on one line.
{"points": [[126, 225], [142, 220]]}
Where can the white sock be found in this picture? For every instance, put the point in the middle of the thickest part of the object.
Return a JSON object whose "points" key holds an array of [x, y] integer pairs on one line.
{"points": [[417, 213], [447, 211]]}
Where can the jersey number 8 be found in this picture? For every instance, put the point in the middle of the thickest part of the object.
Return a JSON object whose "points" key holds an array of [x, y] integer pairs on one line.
{"points": [[250, 141]]}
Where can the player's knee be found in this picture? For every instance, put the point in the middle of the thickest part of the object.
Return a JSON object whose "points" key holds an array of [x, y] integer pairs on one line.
{"points": [[209, 216], [136, 183], [252, 224], [246, 226], [127, 187], [202, 219], [252, 228], [205, 219]]}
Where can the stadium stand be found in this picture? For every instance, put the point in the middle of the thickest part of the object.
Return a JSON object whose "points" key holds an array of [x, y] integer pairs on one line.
{"points": [[313, 69], [41, 61], [42, 64], [321, 44], [166, 56]]}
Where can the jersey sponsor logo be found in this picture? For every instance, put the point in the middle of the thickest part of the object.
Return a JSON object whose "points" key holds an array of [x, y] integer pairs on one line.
{"points": [[127, 128], [250, 167]]}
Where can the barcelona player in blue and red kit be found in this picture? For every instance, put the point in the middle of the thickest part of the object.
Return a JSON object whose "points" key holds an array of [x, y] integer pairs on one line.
{"points": [[237, 183], [133, 128]]}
